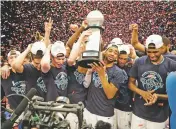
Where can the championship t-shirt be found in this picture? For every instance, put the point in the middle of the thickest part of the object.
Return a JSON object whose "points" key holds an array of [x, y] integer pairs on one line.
{"points": [[151, 77], [34, 79], [97, 101], [14, 84], [56, 82]]}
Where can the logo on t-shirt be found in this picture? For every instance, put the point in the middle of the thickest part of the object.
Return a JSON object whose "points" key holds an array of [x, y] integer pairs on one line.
{"points": [[96, 80], [19, 87], [79, 77], [151, 80], [61, 81], [41, 84]]}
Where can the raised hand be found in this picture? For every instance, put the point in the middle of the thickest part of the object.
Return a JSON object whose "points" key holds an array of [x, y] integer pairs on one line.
{"points": [[48, 25], [84, 36], [99, 68], [133, 27], [85, 24], [29, 47], [74, 27]]}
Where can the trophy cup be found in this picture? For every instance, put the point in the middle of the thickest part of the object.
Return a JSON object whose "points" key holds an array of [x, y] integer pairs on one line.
{"points": [[92, 53]]}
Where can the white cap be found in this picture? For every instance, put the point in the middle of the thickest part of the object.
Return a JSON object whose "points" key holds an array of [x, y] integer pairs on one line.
{"points": [[111, 45], [116, 41], [125, 48], [13, 52], [58, 47], [155, 39], [38, 46]]}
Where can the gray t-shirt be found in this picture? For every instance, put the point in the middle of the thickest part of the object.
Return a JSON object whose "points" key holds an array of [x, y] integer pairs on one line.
{"points": [[97, 101], [56, 82], [151, 77]]}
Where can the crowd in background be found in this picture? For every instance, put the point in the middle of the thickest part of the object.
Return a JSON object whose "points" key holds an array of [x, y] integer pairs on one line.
{"points": [[21, 20]]}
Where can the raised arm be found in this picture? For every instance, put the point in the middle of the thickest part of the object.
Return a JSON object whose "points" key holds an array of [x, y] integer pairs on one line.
{"points": [[45, 62], [134, 39], [76, 48], [48, 27], [76, 35], [18, 62], [109, 88]]}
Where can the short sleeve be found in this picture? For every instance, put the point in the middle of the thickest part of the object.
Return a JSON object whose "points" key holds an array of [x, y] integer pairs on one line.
{"points": [[118, 78]]}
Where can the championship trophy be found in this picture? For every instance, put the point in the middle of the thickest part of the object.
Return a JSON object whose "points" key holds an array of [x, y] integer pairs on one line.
{"points": [[92, 53]]}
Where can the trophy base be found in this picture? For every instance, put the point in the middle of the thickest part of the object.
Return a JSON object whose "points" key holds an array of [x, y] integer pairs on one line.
{"points": [[86, 61]]}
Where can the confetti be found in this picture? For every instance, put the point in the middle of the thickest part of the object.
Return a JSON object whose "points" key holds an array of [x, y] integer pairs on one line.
{"points": [[18, 17]]}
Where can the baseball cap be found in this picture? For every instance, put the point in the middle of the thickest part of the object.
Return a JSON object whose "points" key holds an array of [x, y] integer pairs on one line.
{"points": [[13, 52], [116, 41], [124, 48], [155, 39], [110, 45], [38, 46], [58, 47]]}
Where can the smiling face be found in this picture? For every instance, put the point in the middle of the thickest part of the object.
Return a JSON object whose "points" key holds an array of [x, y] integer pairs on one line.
{"points": [[58, 61], [111, 54], [153, 53], [122, 60], [36, 59], [36, 63], [11, 58]]}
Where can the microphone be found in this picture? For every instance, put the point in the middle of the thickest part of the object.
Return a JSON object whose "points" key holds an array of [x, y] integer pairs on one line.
{"points": [[20, 108]]}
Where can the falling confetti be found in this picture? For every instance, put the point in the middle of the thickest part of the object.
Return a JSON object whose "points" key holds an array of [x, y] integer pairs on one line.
{"points": [[20, 20]]}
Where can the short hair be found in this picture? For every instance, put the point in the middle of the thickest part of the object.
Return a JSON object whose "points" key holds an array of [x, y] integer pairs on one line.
{"points": [[166, 40], [39, 55], [122, 52], [151, 45], [102, 125], [29, 56]]}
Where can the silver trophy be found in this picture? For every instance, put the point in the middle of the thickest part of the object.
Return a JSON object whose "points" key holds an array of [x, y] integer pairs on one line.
{"points": [[92, 53]]}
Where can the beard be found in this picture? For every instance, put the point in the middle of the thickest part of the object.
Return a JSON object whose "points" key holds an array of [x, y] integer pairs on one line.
{"points": [[121, 65], [156, 60], [109, 61]]}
